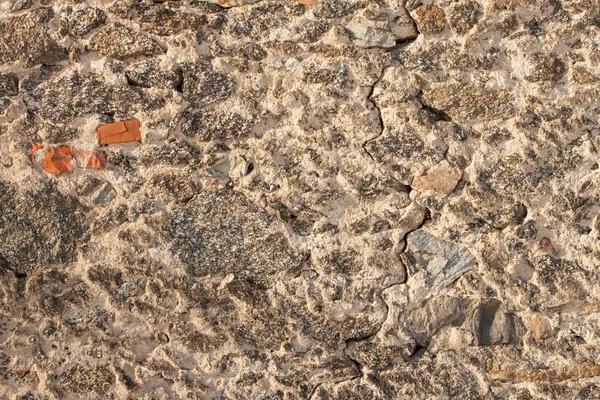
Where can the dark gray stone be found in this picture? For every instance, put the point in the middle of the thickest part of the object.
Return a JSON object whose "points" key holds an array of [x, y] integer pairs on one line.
{"points": [[28, 38], [218, 233], [53, 223]]}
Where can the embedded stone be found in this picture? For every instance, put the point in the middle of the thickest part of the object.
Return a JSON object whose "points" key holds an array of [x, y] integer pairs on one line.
{"points": [[443, 262], [385, 29], [9, 85], [84, 21], [119, 41], [464, 102], [28, 38], [430, 19], [440, 179]]}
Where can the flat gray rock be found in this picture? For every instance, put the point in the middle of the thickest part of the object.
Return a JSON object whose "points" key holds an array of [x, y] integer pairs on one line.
{"points": [[444, 262]]}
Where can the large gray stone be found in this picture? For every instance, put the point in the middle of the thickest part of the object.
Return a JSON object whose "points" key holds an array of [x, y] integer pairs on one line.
{"points": [[442, 262]]}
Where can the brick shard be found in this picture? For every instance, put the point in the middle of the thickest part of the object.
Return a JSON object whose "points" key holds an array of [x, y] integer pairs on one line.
{"points": [[119, 132], [91, 159], [58, 160]]}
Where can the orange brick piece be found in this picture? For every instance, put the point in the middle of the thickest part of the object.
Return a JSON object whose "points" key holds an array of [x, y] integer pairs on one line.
{"points": [[58, 160], [91, 159], [119, 132]]}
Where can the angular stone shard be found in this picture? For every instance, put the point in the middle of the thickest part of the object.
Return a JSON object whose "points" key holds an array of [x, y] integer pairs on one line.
{"points": [[118, 41], [384, 29], [119, 132], [443, 262], [440, 179], [28, 38]]}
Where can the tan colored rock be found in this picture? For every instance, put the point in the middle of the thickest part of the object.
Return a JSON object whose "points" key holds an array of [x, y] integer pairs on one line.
{"points": [[430, 19], [441, 179], [464, 102], [540, 327]]}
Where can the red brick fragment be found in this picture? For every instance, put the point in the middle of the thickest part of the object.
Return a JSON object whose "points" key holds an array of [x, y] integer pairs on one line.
{"points": [[546, 244], [34, 147], [91, 159], [58, 160], [119, 132]]}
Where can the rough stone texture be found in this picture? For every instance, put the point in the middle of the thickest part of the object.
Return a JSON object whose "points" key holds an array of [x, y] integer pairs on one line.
{"points": [[331, 199], [30, 38], [119, 41]]}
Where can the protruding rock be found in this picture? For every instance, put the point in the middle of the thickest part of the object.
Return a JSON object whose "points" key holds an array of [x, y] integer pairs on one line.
{"points": [[427, 319], [62, 98], [222, 233], [464, 102], [53, 222], [84, 21], [231, 3], [148, 73], [381, 28], [203, 85], [28, 38], [118, 41], [440, 179], [436, 263], [463, 16], [493, 325]]}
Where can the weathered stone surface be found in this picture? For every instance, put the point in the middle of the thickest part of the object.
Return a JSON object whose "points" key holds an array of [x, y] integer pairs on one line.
{"points": [[55, 223], [203, 85], [241, 245], [9, 85], [332, 199], [65, 97], [430, 19], [464, 102], [463, 15], [28, 38], [119, 41], [440, 179], [148, 74], [167, 21], [84, 21]]}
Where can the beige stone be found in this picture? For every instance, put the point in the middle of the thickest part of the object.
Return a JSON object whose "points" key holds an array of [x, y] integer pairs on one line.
{"points": [[441, 179]]}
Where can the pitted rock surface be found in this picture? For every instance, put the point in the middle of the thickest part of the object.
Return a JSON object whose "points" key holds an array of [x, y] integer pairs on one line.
{"points": [[331, 199]]}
